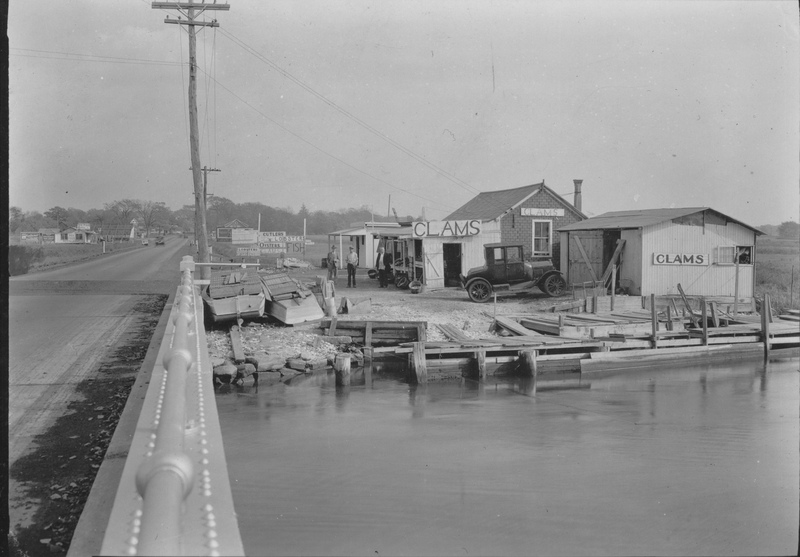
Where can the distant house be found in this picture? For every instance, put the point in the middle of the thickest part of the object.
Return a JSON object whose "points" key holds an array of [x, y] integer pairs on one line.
{"points": [[706, 252], [75, 236]]}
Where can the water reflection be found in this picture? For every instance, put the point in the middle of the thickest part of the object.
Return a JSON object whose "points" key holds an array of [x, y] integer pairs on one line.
{"points": [[684, 461]]}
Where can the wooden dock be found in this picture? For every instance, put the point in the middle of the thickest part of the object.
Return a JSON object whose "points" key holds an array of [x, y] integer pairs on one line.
{"points": [[552, 345]]}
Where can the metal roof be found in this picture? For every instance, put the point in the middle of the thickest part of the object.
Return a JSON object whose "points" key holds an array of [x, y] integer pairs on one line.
{"points": [[641, 218], [349, 232]]}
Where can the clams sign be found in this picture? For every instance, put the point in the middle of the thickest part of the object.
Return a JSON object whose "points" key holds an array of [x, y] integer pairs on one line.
{"points": [[439, 228], [680, 259]]}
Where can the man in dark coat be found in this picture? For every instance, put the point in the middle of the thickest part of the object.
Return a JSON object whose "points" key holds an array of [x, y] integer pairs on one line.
{"points": [[384, 265]]}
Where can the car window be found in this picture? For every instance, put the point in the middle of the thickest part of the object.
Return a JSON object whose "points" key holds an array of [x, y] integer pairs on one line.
{"points": [[514, 255], [498, 255]]}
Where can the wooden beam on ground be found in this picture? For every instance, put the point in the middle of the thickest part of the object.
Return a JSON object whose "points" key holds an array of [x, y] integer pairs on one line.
{"points": [[514, 327], [236, 344]]}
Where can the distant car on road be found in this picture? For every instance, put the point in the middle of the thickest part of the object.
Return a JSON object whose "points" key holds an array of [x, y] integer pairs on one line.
{"points": [[145, 242], [160, 241]]}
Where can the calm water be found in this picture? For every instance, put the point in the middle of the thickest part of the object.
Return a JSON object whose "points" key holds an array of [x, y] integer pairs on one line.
{"points": [[699, 461]]}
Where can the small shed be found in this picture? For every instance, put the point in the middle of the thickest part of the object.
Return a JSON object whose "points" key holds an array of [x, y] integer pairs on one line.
{"points": [[706, 252], [530, 216], [365, 239]]}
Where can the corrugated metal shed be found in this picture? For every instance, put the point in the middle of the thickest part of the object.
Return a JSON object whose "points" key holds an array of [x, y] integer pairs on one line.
{"points": [[643, 217]]}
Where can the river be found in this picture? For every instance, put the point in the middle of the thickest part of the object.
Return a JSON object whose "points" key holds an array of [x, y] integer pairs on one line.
{"points": [[691, 461]]}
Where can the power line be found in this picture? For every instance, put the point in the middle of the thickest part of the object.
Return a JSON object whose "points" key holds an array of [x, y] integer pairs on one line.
{"points": [[360, 122], [307, 142], [76, 57]]}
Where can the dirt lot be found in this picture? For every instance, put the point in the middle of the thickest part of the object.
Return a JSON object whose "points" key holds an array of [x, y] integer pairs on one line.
{"points": [[449, 306]]}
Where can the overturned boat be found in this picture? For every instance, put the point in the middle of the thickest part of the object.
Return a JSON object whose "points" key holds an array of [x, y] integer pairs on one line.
{"points": [[288, 301], [241, 293], [234, 295]]}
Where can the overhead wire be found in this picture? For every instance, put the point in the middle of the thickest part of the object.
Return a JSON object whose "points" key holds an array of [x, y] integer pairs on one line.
{"points": [[307, 142], [359, 121]]}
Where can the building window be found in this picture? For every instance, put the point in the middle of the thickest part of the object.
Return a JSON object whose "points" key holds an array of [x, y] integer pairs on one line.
{"points": [[65, 237], [79, 236], [730, 255], [542, 238]]}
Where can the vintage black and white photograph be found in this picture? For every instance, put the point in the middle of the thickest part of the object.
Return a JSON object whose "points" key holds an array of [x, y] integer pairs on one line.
{"points": [[568, 316]]}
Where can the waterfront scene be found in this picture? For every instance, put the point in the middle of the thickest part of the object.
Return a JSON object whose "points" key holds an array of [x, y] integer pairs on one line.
{"points": [[693, 461]]}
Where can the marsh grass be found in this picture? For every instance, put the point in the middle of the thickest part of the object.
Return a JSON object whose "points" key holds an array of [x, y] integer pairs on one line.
{"points": [[778, 271]]}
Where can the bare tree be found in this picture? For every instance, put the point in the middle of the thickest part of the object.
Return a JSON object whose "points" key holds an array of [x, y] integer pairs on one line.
{"points": [[152, 213], [123, 210]]}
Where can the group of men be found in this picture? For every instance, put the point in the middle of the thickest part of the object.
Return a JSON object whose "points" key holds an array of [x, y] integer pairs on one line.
{"points": [[383, 263]]}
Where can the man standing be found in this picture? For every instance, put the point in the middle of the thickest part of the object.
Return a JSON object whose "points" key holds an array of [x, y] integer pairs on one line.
{"points": [[352, 263], [384, 266], [333, 263]]}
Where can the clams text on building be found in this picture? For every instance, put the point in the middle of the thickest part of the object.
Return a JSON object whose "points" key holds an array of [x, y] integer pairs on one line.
{"points": [[434, 228], [680, 259]]}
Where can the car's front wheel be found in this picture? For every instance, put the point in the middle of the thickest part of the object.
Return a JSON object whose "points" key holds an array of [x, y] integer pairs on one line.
{"points": [[479, 290], [554, 285]]}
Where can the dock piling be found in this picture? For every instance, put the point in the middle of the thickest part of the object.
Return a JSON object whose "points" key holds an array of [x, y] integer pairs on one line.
{"points": [[419, 367], [342, 367], [530, 366]]}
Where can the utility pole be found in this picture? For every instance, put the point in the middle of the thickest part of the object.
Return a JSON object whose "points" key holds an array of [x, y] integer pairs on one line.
{"points": [[191, 10]]}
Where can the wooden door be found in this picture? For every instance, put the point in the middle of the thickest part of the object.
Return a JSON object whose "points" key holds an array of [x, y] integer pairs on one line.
{"points": [[585, 256]]}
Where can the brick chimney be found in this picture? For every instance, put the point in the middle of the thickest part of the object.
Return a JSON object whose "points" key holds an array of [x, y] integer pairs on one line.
{"points": [[577, 202]]}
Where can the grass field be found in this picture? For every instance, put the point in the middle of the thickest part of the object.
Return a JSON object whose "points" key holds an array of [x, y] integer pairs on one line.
{"points": [[778, 271], [29, 259]]}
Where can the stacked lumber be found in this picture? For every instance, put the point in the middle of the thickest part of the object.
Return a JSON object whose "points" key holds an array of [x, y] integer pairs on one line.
{"points": [[375, 333]]}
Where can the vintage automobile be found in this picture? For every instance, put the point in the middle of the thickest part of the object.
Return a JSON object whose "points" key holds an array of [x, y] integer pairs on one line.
{"points": [[505, 269], [160, 241], [145, 242]]}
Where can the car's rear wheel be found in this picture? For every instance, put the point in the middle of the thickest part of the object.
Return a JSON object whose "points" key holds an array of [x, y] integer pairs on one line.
{"points": [[479, 290], [554, 285]]}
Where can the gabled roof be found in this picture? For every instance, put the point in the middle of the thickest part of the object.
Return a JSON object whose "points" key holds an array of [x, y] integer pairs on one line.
{"points": [[641, 218], [235, 223], [492, 205]]}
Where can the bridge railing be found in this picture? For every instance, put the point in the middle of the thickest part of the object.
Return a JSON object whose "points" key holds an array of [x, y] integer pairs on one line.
{"points": [[174, 495]]}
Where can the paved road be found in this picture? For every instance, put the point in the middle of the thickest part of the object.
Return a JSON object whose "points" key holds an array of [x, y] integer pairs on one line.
{"points": [[64, 321]]}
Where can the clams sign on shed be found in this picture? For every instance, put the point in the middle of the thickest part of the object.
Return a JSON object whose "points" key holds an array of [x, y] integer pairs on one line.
{"points": [[446, 228]]}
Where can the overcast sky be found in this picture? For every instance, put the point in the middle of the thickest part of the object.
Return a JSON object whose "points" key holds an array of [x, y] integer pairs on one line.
{"points": [[337, 104]]}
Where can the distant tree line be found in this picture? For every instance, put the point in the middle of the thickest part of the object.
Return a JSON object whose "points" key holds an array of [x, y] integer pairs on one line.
{"points": [[788, 229], [154, 215]]}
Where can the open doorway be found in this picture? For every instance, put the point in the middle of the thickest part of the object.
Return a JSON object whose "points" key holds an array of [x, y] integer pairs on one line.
{"points": [[451, 254]]}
